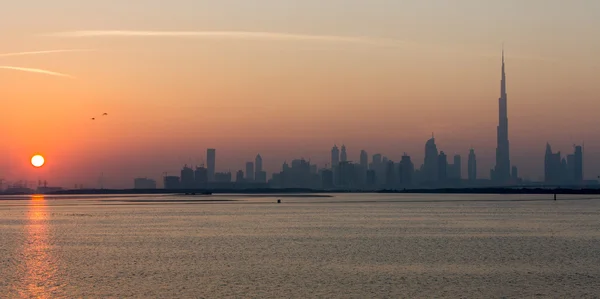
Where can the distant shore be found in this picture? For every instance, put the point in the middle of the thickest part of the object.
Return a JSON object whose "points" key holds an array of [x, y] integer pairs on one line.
{"points": [[311, 192]]}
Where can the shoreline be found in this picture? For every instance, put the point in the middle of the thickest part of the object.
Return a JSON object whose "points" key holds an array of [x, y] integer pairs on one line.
{"points": [[311, 192]]}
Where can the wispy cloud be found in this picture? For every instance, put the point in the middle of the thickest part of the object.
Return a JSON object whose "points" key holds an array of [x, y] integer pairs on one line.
{"points": [[34, 70], [231, 34], [43, 52]]}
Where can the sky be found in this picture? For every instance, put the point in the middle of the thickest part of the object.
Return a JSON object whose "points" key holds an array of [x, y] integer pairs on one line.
{"points": [[289, 79]]}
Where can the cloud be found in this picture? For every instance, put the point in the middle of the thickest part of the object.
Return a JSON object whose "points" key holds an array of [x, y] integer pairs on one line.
{"points": [[232, 34], [43, 52], [33, 70]]}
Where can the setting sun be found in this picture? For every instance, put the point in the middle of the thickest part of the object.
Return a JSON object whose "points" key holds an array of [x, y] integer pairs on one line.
{"points": [[37, 161]]}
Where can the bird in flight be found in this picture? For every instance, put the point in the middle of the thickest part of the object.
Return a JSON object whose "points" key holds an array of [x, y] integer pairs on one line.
{"points": [[103, 114]]}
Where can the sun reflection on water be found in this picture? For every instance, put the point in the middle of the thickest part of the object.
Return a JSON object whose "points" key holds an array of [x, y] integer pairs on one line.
{"points": [[39, 269]]}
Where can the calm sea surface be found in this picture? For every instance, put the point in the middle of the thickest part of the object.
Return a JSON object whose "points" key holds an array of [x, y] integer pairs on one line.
{"points": [[345, 246]]}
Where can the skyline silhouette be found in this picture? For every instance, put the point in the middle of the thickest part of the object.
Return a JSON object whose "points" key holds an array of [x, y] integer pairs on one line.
{"points": [[432, 172]]}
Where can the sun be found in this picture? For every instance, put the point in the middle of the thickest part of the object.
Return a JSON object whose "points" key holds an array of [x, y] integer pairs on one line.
{"points": [[38, 161]]}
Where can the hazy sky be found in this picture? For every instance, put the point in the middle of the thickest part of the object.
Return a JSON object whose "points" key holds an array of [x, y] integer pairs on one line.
{"points": [[289, 79]]}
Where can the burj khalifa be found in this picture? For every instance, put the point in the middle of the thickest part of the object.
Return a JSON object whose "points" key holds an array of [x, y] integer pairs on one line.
{"points": [[501, 173]]}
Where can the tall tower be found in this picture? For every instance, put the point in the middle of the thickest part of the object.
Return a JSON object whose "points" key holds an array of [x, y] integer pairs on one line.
{"points": [[502, 170], [258, 164], [364, 160], [335, 157], [430, 164], [344, 155]]}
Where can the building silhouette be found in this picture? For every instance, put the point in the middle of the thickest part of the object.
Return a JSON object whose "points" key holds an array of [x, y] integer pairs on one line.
{"points": [[442, 167], [258, 166], [211, 162], [249, 171], [223, 177], [472, 166], [187, 178], [364, 160], [335, 157], [455, 170], [378, 166], [201, 177], [344, 155], [430, 168], [406, 170], [552, 167], [501, 173], [345, 175], [239, 176], [578, 165]]}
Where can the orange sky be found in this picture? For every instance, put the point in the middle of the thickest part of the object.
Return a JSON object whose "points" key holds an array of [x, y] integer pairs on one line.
{"points": [[169, 98]]}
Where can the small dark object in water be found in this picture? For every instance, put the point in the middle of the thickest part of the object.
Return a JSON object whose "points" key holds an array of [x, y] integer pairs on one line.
{"points": [[554, 196], [279, 201]]}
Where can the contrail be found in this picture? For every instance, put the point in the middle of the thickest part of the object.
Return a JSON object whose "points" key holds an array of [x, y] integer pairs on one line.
{"points": [[231, 34], [43, 52], [33, 70]]}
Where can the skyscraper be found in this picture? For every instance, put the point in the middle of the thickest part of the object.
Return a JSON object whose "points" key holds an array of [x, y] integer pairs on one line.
{"points": [[405, 171], [578, 167], [442, 167], [239, 176], [201, 177], [187, 178], [364, 160], [430, 164], [335, 156], [457, 167], [344, 155], [552, 166], [211, 159], [502, 170], [258, 165], [472, 167]]}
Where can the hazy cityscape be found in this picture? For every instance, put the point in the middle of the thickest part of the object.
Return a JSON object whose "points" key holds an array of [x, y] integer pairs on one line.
{"points": [[374, 172], [377, 172]]}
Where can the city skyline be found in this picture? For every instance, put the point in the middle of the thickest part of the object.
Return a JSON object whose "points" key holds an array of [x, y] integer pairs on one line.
{"points": [[276, 78]]}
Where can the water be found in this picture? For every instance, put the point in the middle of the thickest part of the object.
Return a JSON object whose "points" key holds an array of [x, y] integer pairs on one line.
{"points": [[347, 246]]}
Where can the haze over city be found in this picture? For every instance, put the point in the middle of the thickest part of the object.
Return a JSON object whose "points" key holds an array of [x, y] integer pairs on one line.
{"points": [[289, 79]]}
